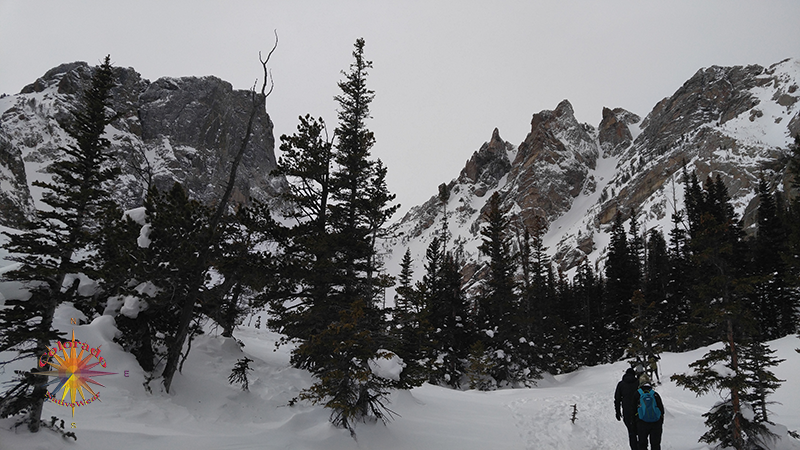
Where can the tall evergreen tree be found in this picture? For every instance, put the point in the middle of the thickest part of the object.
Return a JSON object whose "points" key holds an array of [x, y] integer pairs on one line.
{"points": [[791, 219], [588, 325], [307, 269], [774, 302], [166, 275], [537, 318], [59, 241], [622, 279], [562, 354], [449, 320], [716, 253], [332, 286], [409, 325], [499, 303], [644, 348], [739, 420], [757, 359], [241, 262], [445, 321], [678, 302], [637, 248], [655, 289]]}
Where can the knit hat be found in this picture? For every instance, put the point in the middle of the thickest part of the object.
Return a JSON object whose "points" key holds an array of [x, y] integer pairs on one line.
{"points": [[630, 371], [644, 380]]}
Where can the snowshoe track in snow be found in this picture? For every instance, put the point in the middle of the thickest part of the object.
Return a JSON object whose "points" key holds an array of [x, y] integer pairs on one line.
{"points": [[545, 423]]}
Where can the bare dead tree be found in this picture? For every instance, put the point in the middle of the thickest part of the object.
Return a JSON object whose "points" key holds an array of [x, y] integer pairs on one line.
{"points": [[187, 310], [268, 74]]}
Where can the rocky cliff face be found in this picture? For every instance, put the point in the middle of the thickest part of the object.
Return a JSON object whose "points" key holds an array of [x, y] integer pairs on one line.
{"points": [[614, 134], [714, 123], [573, 178], [552, 166], [173, 129]]}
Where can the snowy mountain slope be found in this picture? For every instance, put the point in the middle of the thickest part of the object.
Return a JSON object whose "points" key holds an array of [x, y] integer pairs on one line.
{"points": [[733, 121], [205, 412], [173, 129]]}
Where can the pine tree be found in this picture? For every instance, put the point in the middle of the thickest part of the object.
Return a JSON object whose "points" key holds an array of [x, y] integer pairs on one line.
{"points": [[498, 304], [636, 249], [339, 202], [561, 347], [58, 241], [409, 326], [404, 299], [774, 302], [169, 274], [445, 317], [791, 218], [677, 295], [716, 249], [241, 258], [644, 348], [655, 289], [239, 373], [307, 269], [479, 368], [586, 291], [744, 383], [622, 279], [757, 359], [123, 254], [537, 322]]}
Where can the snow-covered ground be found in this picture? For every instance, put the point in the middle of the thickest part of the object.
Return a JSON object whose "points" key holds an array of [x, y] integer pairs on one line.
{"points": [[205, 412]]}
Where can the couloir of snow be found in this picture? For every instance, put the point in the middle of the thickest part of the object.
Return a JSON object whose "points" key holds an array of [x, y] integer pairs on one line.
{"points": [[203, 411]]}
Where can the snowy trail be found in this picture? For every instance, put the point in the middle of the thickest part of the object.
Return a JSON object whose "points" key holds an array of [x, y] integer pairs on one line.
{"points": [[593, 429], [205, 412]]}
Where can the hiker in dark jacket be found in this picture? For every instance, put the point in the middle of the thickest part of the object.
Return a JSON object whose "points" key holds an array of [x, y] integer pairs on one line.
{"points": [[625, 398], [646, 429]]}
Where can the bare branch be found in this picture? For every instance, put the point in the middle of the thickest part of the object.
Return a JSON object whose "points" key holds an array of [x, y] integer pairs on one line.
{"points": [[268, 73], [271, 85]]}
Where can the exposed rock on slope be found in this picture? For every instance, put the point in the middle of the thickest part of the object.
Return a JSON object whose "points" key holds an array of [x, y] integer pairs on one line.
{"points": [[715, 123], [733, 121], [552, 165], [488, 165], [481, 174], [174, 129], [614, 135], [548, 171]]}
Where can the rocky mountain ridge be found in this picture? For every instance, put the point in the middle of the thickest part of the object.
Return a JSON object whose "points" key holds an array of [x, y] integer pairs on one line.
{"points": [[570, 179], [173, 129], [567, 179]]}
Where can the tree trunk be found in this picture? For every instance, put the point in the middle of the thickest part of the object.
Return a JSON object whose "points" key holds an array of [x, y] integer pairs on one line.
{"points": [[735, 401], [230, 315], [40, 386]]}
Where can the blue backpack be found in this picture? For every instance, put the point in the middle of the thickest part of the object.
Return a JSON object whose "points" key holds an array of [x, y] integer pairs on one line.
{"points": [[648, 410]]}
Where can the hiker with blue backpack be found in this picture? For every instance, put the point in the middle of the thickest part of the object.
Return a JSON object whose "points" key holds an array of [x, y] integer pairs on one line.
{"points": [[649, 415]]}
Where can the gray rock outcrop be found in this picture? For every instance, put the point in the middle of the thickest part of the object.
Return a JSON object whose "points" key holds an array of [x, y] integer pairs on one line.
{"points": [[733, 121], [614, 134], [174, 129]]}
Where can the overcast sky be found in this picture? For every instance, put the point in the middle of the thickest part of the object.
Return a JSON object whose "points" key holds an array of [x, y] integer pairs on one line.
{"points": [[446, 73]]}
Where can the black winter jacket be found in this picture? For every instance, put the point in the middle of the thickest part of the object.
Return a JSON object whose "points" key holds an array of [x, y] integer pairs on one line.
{"points": [[626, 396]]}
